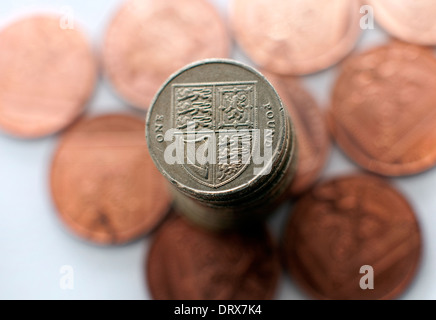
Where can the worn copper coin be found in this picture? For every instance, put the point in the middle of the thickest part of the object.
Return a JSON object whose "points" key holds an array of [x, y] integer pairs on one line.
{"points": [[296, 36], [104, 183], [47, 75], [148, 40], [348, 223], [382, 111], [310, 127], [409, 20], [189, 263]]}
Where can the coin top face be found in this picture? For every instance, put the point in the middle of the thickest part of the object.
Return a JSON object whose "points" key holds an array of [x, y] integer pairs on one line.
{"points": [[382, 112], [47, 75], [311, 130], [345, 224], [408, 20], [148, 40], [222, 110], [104, 183], [296, 36], [189, 263]]}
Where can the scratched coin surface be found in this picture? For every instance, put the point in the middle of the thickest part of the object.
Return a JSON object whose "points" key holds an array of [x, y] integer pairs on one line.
{"points": [[311, 130], [344, 224], [189, 263], [382, 110], [47, 75], [409, 20], [104, 183], [296, 36], [148, 40]]}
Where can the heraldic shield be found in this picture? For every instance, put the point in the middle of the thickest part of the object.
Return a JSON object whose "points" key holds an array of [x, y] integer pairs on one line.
{"points": [[220, 113]]}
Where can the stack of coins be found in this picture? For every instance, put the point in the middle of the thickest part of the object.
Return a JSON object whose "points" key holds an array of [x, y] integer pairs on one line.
{"points": [[218, 131]]}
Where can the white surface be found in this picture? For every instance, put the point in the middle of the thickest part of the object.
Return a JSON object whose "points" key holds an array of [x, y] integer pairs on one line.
{"points": [[34, 245]]}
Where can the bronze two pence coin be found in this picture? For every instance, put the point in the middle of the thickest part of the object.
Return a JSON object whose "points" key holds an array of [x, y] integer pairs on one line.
{"points": [[296, 36], [104, 183], [352, 237], [409, 20], [189, 263], [148, 40], [310, 127], [47, 75], [383, 111]]}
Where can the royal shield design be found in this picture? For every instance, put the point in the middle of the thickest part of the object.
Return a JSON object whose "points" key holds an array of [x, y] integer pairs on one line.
{"points": [[217, 121]]}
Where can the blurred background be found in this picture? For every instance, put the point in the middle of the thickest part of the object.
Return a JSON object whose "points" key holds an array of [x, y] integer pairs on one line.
{"points": [[36, 250]]}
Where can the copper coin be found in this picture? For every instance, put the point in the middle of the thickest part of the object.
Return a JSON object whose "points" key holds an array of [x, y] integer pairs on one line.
{"points": [[382, 112], [148, 40], [409, 20], [104, 183], [188, 263], [296, 36], [47, 75], [312, 134], [344, 224]]}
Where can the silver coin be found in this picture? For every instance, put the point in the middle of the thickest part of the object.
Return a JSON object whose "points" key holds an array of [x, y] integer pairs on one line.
{"points": [[216, 97]]}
